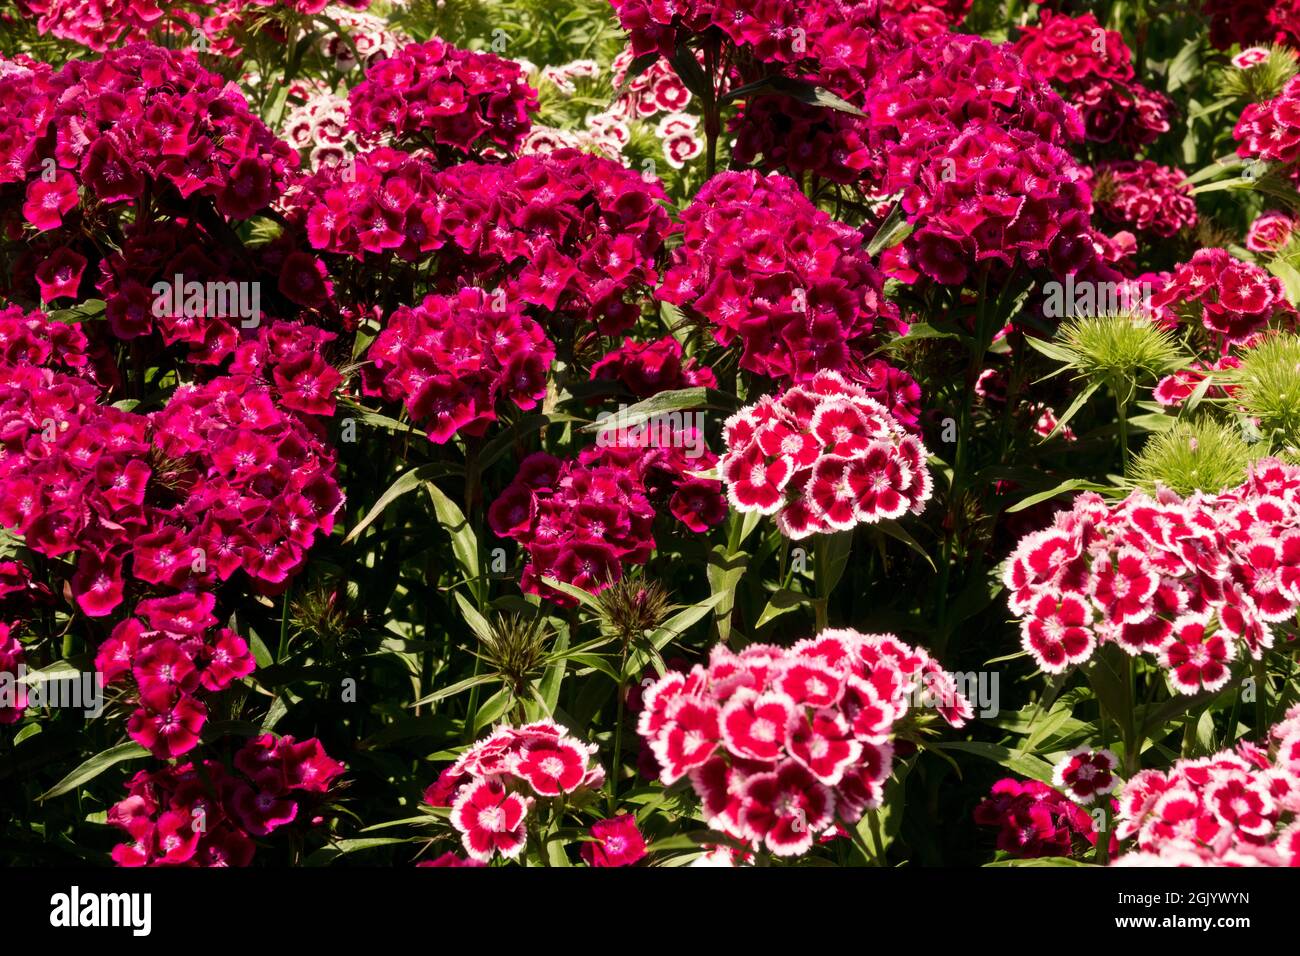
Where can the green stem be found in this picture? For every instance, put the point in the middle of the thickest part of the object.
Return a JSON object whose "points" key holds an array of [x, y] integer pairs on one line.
{"points": [[1121, 412]]}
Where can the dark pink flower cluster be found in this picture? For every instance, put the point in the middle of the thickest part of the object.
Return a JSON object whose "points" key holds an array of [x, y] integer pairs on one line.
{"points": [[381, 201], [173, 653], [493, 786], [262, 487], [823, 457], [581, 520], [930, 92], [1094, 69], [572, 233], [1238, 21], [221, 480], [1034, 819], [646, 368], [206, 815], [1231, 298], [97, 24], [33, 338], [849, 44], [290, 360], [1271, 130], [771, 270], [456, 102], [1237, 808], [11, 656], [121, 127], [578, 524], [1000, 197], [152, 255], [451, 359], [666, 460], [1146, 196], [770, 30], [1193, 582], [780, 744]]}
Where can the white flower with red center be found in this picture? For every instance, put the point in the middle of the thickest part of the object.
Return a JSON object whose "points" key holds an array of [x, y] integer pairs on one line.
{"points": [[785, 809], [656, 698], [1057, 633], [1196, 660], [1085, 774], [552, 765], [688, 739], [823, 457], [1240, 620], [1122, 589], [1288, 752], [757, 726], [681, 148], [842, 427], [490, 820], [824, 743]]}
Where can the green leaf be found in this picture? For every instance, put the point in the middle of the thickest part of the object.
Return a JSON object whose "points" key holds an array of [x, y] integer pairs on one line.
{"points": [[796, 89], [1023, 764], [893, 529], [1185, 64], [892, 231], [667, 632], [585, 598], [464, 544], [1072, 484], [1042, 861], [407, 482], [549, 687], [455, 688], [675, 400], [327, 854], [781, 602], [491, 710], [476, 621], [93, 767], [1079, 401]]}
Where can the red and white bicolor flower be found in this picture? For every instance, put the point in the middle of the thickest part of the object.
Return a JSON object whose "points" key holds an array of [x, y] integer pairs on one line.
{"points": [[1084, 774], [688, 738], [757, 726], [1057, 633], [1196, 659], [785, 809], [490, 819], [825, 745]]}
